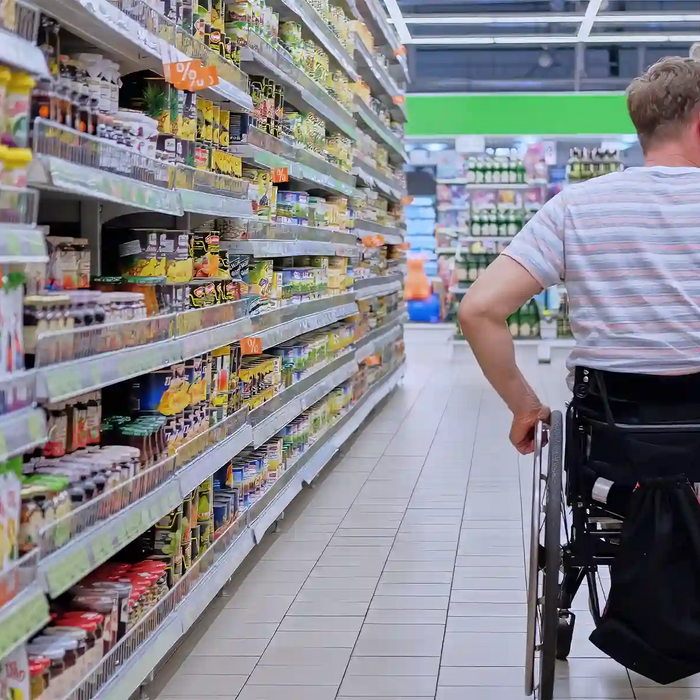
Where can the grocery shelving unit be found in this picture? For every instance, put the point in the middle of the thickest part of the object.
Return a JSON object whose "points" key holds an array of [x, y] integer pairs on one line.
{"points": [[92, 199]]}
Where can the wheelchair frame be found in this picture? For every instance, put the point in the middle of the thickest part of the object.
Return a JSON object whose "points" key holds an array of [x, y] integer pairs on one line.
{"points": [[557, 570]]}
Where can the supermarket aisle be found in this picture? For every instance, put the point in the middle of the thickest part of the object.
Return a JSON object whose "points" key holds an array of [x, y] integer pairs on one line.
{"points": [[402, 573]]}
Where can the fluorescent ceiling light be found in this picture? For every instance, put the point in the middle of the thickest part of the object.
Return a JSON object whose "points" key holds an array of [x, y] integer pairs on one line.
{"points": [[642, 38], [624, 18], [397, 19], [496, 19], [615, 18], [491, 40], [588, 19], [546, 39]]}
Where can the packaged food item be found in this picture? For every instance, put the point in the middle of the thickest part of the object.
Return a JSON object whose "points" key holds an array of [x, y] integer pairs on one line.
{"points": [[164, 391], [204, 251], [179, 265], [17, 100], [293, 208], [141, 256], [260, 277]]}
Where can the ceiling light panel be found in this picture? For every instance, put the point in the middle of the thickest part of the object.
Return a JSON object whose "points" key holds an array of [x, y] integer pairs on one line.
{"points": [[550, 39], [616, 18], [495, 19]]}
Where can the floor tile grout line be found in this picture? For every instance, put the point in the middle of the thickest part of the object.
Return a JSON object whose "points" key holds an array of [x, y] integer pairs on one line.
{"points": [[459, 539], [277, 629], [347, 510], [408, 503]]}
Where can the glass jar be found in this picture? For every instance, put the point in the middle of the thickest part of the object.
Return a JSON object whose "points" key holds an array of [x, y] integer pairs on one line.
{"points": [[39, 677], [55, 654], [35, 323], [80, 637]]}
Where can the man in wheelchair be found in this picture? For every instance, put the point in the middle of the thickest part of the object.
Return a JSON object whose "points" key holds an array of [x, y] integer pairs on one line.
{"points": [[627, 248]]}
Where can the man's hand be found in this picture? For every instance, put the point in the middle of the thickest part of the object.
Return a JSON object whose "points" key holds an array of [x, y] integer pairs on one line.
{"points": [[522, 431]]}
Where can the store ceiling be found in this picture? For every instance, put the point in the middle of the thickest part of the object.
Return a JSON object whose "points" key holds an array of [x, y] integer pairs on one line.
{"points": [[531, 45]]}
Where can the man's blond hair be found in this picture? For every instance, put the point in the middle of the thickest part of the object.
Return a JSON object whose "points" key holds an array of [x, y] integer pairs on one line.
{"points": [[663, 100]]}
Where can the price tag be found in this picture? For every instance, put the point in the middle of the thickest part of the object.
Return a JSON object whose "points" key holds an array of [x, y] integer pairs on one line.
{"points": [[279, 175], [134, 524], [103, 548], [190, 75], [23, 622], [251, 346], [374, 241], [64, 573], [12, 244]]}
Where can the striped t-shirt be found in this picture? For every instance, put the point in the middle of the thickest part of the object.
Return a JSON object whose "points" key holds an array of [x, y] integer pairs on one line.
{"points": [[627, 248]]}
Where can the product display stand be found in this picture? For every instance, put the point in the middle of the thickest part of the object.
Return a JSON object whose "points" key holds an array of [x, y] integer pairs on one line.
{"points": [[201, 266]]}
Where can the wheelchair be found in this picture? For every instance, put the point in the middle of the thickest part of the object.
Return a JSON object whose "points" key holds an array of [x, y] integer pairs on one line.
{"points": [[576, 524]]}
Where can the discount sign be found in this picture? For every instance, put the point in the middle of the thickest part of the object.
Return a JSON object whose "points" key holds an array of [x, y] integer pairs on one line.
{"points": [[190, 75]]}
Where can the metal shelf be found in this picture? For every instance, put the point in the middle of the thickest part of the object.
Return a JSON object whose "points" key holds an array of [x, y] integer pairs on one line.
{"points": [[84, 553], [164, 626], [272, 416], [316, 25], [22, 54], [117, 34], [300, 90], [373, 122], [318, 172], [272, 240], [198, 202], [379, 80], [283, 324], [65, 380], [475, 187], [374, 16], [304, 166], [49, 172], [22, 244], [21, 431], [377, 286], [25, 610], [387, 185], [379, 338], [390, 234]]}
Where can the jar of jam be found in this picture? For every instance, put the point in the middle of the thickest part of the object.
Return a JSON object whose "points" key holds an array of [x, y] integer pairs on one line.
{"points": [[38, 677], [57, 431], [55, 654], [80, 637]]}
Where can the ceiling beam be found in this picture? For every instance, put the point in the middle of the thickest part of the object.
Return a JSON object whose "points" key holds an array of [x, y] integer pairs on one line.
{"points": [[397, 19], [551, 39], [588, 19]]}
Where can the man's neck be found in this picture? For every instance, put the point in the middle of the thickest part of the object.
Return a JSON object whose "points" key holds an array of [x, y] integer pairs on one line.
{"points": [[671, 156]]}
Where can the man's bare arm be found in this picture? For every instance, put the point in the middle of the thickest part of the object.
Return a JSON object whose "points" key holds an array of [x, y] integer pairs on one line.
{"points": [[499, 292]]}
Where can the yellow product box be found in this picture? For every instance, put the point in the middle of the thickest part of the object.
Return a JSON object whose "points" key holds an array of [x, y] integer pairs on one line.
{"points": [[335, 279], [318, 261], [224, 120], [338, 263], [207, 116], [215, 124], [226, 163], [188, 127]]}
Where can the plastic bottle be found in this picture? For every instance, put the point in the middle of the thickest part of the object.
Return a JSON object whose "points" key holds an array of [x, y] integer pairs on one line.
{"points": [[17, 108]]}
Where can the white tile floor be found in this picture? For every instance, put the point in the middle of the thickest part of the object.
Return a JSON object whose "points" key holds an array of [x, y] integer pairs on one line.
{"points": [[402, 574]]}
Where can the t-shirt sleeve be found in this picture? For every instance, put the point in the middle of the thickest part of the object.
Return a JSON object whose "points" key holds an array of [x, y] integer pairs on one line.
{"points": [[539, 247]]}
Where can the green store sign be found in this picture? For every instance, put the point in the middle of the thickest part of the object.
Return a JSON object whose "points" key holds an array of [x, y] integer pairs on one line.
{"points": [[532, 114]]}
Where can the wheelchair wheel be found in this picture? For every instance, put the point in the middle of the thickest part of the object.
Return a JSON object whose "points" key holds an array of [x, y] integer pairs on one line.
{"points": [[543, 579]]}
